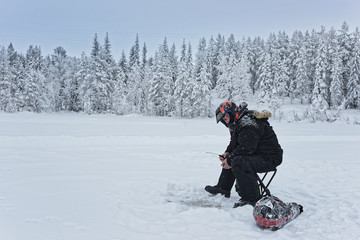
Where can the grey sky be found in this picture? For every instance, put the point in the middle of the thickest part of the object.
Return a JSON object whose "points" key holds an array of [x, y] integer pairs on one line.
{"points": [[72, 24]]}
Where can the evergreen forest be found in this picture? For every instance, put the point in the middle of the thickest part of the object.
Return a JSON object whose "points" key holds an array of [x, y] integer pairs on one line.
{"points": [[319, 68]]}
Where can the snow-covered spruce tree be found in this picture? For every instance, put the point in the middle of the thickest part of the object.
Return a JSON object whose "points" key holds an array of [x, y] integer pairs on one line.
{"points": [[189, 110], [281, 66], [50, 82], [242, 88], [320, 92], [6, 98], [344, 39], [295, 62], [109, 73], [331, 43], [138, 83], [35, 89], [161, 83], [268, 95], [82, 77], [183, 52], [155, 91], [311, 45], [146, 75], [202, 74], [74, 84], [17, 78], [134, 78], [214, 49], [353, 84], [228, 77], [119, 99], [300, 87], [265, 79], [144, 60], [134, 56], [17, 67], [201, 92], [337, 85], [120, 105], [135, 90], [271, 85], [13, 57], [33, 100], [229, 60], [222, 81], [200, 56], [180, 83], [99, 85], [281, 78], [255, 49], [124, 69], [174, 62], [87, 86], [57, 78], [12, 54]]}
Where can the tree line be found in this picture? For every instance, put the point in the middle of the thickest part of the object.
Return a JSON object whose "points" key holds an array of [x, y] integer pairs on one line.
{"points": [[321, 68]]}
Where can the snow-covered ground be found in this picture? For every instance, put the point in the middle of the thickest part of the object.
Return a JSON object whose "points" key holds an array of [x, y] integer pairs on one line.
{"points": [[105, 177]]}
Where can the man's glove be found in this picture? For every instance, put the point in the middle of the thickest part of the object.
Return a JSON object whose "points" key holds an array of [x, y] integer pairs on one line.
{"points": [[230, 158], [224, 164]]}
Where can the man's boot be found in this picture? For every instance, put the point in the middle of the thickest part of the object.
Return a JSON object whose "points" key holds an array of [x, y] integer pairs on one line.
{"points": [[225, 183]]}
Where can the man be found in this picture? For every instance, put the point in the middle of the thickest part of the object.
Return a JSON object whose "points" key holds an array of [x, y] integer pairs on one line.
{"points": [[253, 148]]}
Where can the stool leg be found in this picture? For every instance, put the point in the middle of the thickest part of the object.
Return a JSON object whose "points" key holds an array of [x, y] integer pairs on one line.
{"points": [[265, 189]]}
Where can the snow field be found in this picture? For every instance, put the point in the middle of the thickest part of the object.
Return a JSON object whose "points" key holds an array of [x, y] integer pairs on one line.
{"points": [[105, 177]]}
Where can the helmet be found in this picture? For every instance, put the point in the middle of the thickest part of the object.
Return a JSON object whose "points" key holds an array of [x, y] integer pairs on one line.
{"points": [[227, 107], [272, 213]]}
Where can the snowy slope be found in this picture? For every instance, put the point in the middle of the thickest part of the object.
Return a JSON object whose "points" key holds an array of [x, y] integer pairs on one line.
{"points": [[80, 177]]}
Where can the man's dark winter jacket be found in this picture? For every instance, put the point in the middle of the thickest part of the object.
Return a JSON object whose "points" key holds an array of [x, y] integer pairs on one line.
{"points": [[252, 136]]}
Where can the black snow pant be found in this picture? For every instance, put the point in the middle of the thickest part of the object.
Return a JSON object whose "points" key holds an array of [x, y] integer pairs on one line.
{"points": [[245, 168], [226, 179]]}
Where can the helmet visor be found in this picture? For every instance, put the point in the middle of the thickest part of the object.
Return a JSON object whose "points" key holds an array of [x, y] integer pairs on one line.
{"points": [[219, 115]]}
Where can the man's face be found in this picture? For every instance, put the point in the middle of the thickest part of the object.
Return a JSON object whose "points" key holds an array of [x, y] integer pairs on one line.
{"points": [[226, 118]]}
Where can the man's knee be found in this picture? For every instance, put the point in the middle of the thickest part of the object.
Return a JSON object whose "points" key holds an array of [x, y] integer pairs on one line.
{"points": [[237, 162], [242, 163]]}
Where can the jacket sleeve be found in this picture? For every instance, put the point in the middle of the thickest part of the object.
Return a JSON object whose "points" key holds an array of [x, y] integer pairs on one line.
{"points": [[248, 139], [231, 145]]}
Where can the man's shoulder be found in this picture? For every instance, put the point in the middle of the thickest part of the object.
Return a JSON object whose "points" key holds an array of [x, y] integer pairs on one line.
{"points": [[248, 121]]}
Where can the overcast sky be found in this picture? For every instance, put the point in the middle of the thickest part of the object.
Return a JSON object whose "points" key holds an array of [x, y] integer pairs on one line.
{"points": [[72, 24]]}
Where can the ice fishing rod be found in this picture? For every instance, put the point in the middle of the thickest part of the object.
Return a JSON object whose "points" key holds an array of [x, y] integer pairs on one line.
{"points": [[215, 154]]}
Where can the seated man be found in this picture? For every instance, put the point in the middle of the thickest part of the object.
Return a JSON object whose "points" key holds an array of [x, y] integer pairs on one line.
{"points": [[253, 148]]}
